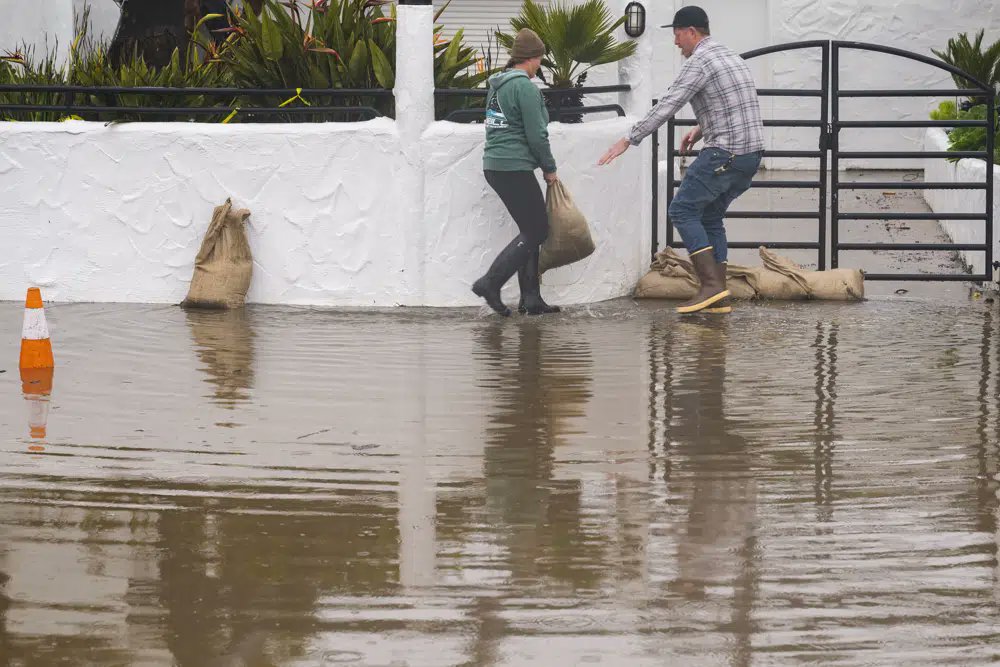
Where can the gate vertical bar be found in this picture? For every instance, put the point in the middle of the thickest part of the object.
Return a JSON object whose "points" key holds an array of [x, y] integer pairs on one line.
{"points": [[834, 93], [991, 127], [824, 135], [670, 181], [656, 193]]}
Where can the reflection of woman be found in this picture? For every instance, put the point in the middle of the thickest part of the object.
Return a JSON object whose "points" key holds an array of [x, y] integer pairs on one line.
{"points": [[517, 143], [540, 380]]}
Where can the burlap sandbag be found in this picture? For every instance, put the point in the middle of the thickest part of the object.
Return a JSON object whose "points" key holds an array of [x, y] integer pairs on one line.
{"points": [[569, 235], [672, 277], [831, 285], [224, 265]]}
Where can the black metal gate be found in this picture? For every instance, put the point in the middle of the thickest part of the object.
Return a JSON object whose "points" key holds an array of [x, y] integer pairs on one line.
{"points": [[829, 155]]}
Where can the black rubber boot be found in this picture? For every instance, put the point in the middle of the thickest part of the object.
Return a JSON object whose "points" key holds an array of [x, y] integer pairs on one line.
{"points": [[531, 289], [503, 268]]}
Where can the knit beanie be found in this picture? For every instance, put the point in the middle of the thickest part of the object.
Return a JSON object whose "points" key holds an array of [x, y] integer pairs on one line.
{"points": [[527, 45]]}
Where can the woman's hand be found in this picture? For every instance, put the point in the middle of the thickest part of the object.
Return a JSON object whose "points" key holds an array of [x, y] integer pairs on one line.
{"points": [[617, 149], [551, 178], [690, 139]]}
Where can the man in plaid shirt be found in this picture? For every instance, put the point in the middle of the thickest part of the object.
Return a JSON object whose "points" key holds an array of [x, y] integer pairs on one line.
{"points": [[722, 92]]}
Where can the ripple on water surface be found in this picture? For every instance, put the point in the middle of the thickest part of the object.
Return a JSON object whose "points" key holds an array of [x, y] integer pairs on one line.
{"points": [[797, 483]]}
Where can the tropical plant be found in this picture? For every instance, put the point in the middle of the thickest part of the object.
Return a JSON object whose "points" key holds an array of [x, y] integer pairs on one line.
{"points": [[89, 64], [347, 44], [966, 138], [972, 138], [972, 58], [577, 38], [20, 67]]}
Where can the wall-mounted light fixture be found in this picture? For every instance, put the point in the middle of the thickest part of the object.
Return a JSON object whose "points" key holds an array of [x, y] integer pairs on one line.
{"points": [[635, 19]]}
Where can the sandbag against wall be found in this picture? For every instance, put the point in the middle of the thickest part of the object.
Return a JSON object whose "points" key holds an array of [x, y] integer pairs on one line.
{"points": [[672, 277], [224, 265]]}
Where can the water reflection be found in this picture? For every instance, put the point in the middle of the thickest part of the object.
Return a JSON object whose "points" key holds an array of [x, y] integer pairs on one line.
{"points": [[988, 427], [224, 343], [714, 481], [539, 378], [824, 421], [36, 386], [794, 484]]}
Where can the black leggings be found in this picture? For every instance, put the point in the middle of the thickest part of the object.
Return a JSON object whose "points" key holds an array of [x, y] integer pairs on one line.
{"points": [[520, 193]]}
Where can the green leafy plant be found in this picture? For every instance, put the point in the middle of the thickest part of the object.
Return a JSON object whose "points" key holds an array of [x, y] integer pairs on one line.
{"points": [[972, 58], [577, 38], [947, 110], [90, 65], [348, 44], [456, 65], [297, 44], [20, 67], [972, 138]]}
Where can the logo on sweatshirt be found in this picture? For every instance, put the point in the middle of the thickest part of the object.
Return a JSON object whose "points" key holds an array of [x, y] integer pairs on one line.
{"points": [[495, 117]]}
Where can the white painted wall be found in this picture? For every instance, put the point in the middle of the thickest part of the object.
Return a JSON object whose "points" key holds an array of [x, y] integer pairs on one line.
{"points": [[960, 201], [95, 213]]}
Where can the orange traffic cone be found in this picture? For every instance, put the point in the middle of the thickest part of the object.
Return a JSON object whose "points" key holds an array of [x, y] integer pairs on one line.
{"points": [[37, 365], [36, 348]]}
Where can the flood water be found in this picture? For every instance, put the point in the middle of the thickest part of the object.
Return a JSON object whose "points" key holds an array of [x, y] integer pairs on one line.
{"points": [[795, 484]]}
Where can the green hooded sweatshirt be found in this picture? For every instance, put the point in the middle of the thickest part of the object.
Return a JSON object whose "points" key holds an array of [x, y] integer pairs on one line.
{"points": [[517, 125]]}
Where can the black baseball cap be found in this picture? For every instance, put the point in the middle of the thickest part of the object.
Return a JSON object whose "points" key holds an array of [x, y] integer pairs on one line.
{"points": [[689, 17]]}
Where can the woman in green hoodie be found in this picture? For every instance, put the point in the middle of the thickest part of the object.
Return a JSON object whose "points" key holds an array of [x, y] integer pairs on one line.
{"points": [[517, 143]]}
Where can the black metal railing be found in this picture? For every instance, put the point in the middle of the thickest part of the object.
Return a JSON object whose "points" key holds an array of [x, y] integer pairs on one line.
{"points": [[978, 89], [829, 155], [554, 96], [110, 103]]}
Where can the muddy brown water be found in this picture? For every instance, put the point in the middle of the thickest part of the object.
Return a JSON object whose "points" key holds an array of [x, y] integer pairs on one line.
{"points": [[797, 484]]}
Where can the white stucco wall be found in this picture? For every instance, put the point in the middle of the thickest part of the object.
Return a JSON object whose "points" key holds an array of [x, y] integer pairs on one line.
{"points": [[960, 201], [95, 213]]}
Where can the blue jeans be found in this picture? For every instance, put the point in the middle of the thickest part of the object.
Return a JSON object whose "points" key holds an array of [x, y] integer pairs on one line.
{"points": [[700, 204]]}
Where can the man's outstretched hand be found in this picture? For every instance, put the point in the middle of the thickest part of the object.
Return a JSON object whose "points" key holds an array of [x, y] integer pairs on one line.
{"points": [[617, 149]]}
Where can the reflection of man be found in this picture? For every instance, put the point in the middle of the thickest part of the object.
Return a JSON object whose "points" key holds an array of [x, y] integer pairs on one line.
{"points": [[722, 92], [716, 552]]}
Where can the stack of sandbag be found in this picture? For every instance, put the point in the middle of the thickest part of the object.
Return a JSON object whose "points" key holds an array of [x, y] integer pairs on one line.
{"points": [[224, 265], [672, 277]]}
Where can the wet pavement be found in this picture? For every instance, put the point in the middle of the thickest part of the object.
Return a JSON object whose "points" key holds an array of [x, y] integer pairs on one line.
{"points": [[796, 484]]}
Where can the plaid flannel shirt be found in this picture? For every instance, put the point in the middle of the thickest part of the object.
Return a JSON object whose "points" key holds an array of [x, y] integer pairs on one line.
{"points": [[721, 90]]}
